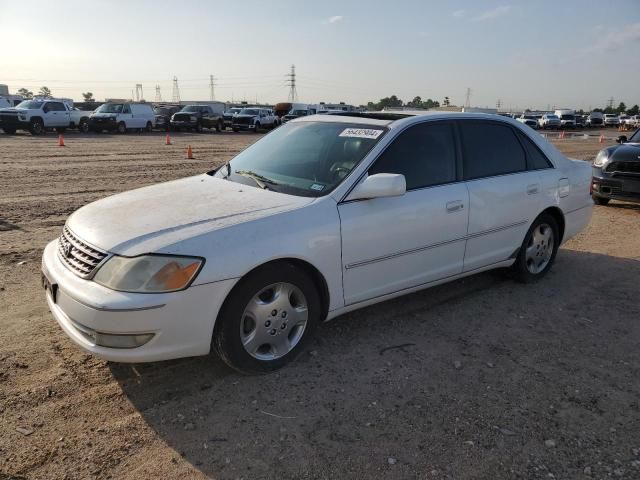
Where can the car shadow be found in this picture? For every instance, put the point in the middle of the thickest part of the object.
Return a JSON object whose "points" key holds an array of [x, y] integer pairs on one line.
{"points": [[477, 360], [623, 205]]}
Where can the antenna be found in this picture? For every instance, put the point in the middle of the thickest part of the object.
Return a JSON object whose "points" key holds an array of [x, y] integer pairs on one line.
{"points": [[467, 101], [175, 96], [139, 94], [291, 83], [158, 94], [212, 84]]}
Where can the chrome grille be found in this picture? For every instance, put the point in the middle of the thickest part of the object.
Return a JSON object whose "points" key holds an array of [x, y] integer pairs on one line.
{"points": [[79, 257]]}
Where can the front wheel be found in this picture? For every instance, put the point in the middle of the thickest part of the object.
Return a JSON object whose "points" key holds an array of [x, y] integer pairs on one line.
{"points": [[538, 250], [267, 319], [83, 126], [122, 128], [149, 127], [36, 127], [219, 126]]}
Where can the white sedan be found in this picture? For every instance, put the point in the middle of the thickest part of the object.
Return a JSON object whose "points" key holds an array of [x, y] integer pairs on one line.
{"points": [[325, 215]]}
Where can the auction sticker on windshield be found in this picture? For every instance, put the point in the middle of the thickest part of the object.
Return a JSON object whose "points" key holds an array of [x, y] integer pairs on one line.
{"points": [[361, 133]]}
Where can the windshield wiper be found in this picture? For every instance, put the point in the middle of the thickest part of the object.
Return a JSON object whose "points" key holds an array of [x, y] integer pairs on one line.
{"points": [[260, 180]]}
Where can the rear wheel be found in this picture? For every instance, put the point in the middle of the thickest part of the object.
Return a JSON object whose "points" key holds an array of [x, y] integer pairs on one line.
{"points": [[600, 200], [267, 319], [538, 250]]}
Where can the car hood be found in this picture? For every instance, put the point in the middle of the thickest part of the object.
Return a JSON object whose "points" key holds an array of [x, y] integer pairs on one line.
{"points": [[153, 218], [627, 152], [14, 110], [238, 116], [104, 115]]}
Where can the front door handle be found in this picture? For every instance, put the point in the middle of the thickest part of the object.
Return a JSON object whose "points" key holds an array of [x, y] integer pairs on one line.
{"points": [[533, 189], [454, 206]]}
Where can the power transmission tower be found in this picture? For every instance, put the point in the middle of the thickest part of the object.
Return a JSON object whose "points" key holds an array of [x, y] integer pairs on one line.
{"points": [[175, 96], [158, 94], [291, 83], [212, 84], [610, 102], [139, 94], [498, 104], [467, 101]]}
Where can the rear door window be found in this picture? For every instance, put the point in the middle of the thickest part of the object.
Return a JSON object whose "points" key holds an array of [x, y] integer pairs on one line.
{"points": [[490, 149], [425, 154], [536, 160]]}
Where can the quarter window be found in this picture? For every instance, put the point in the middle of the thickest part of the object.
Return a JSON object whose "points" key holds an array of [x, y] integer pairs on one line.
{"points": [[536, 160], [490, 149], [425, 154]]}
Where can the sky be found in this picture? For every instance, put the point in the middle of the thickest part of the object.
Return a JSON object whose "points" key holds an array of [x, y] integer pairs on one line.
{"points": [[535, 54]]}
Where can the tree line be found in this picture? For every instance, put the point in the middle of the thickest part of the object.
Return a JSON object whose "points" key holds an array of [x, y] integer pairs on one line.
{"points": [[394, 101], [45, 92]]}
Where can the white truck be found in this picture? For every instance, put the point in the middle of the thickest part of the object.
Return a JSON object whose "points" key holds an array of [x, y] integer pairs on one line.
{"points": [[40, 114], [567, 117]]}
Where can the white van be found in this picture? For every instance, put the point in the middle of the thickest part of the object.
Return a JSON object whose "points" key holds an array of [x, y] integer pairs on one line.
{"points": [[122, 116], [567, 118]]}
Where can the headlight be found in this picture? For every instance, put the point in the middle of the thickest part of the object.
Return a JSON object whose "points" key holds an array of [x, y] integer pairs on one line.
{"points": [[149, 273], [601, 159], [193, 119]]}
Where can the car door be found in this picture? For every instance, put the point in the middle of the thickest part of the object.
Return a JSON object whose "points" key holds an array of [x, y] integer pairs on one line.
{"points": [[127, 116], [390, 244], [504, 197], [51, 114]]}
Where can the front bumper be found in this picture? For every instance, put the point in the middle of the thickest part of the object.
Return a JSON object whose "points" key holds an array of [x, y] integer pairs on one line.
{"points": [[183, 124], [100, 124], [12, 121], [181, 322], [243, 126], [623, 188]]}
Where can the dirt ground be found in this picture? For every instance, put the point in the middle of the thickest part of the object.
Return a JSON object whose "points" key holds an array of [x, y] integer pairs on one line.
{"points": [[486, 378]]}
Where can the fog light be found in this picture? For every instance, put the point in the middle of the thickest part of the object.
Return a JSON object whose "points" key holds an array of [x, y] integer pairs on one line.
{"points": [[121, 341]]}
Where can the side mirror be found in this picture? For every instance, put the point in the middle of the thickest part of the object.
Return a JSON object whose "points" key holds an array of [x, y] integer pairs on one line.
{"points": [[622, 139], [379, 185]]}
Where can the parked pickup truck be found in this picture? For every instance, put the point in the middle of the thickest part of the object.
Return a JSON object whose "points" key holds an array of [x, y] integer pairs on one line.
{"points": [[199, 117], [38, 115], [254, 118]]}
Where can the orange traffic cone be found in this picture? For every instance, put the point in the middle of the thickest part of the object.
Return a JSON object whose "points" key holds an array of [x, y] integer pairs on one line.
{"points": [[189, 153], [167, 140], [601, 139], [61, 140]]}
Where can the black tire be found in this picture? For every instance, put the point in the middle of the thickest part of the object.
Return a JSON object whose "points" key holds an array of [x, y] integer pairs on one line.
{"points": [[83, 126], [522, 266], [198, 128], [36, 126], [122, 128], [9, 130], [257, 127], [600, 200], [236, 130], [227, 340], [149, 127], [219, 126]]}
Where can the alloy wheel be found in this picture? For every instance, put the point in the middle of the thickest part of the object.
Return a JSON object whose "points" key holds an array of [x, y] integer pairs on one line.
{"points": [[539, 249]]}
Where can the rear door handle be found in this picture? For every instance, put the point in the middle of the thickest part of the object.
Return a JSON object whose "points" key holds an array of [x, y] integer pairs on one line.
{"points": [[533, 189], [454, 206]]}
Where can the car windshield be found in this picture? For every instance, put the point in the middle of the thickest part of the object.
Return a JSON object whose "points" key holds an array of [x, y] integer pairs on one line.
{"points": [[529, 117], [191, 108], [298, 112], [234, 110], [162, 111], [552, 117], [306, 159], [30, 104], [567, 117], [635, 138], [249, 111], [110, 108]]}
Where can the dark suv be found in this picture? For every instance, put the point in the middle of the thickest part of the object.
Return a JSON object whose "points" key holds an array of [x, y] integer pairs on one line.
{"points": [[163, 115], [197, 117], [616, 171]]}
